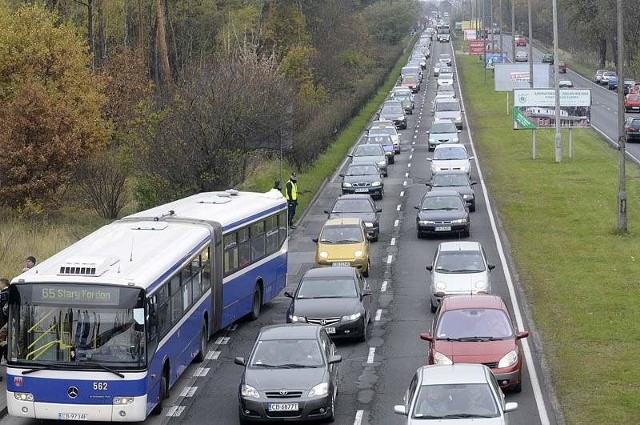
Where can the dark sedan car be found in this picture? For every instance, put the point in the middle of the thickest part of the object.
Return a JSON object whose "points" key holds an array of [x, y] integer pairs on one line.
{"points": [[358, 206], [392, 110], [442, 212], [337, 298], [455, 180], [291, 374], [363, 178], [632, 128]]}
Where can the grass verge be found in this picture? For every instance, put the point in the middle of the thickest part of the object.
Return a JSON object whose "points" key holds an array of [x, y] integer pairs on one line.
{"points": [[576, 270]]}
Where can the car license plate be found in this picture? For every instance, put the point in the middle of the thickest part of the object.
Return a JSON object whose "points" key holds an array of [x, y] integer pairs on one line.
{"points": [[341, 264], [443, 228], [283, 407], [362, 189], [330, 330], [635, 107], [73, 416]]}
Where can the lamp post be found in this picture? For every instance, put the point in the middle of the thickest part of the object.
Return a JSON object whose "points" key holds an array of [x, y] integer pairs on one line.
{"points": [[622, 191], [530, 46], [558, 137], [513, 30]]}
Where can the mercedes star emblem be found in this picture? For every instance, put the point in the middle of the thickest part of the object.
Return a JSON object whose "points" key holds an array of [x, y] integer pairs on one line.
{"points": [[72, 392]]}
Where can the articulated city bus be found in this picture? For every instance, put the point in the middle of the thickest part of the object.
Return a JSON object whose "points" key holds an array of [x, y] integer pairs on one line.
{"points": [[102, 330], [443, 33]]}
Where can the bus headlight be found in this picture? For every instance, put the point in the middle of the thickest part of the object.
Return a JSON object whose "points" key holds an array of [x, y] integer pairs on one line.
{"points": [[23, 396], [123, 400]]}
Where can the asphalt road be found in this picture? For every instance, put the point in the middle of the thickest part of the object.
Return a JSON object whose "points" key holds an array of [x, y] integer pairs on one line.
{"points": [[374, 375]]}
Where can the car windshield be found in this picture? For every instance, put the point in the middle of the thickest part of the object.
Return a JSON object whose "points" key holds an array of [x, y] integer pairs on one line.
{"points": [[445, 76], [445, 56], [382, 139], [352, 205], [447, 180], [460, 262], [389, 131], [446, 203], [449, 153], [402, 91], [362, 170], [341, 234], [445, 89], [633, 97], [409, 79], [327, 288], [443, 127], [455, 401], [474, 324], [368, 150], [286, 354], [447, 106], [392, 109]]}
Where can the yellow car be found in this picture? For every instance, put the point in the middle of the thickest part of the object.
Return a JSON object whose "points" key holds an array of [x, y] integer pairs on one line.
{"points": [[343, 242]]}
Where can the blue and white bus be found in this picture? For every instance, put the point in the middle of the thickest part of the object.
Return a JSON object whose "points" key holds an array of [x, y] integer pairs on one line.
{"points": [[102, 330]]}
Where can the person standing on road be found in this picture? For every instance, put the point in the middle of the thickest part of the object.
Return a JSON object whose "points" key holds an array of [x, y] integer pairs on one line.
{"points": [[291, 195]]}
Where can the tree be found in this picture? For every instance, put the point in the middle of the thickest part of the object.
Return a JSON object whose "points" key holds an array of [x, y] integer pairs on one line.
{"points": [[51, 114]]}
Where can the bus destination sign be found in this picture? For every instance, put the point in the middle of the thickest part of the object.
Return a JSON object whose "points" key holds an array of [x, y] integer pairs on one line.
{"points": [[75, 295]]}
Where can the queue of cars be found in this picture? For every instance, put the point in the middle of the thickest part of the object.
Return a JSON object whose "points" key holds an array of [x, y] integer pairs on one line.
{"points": [[291, 372]]}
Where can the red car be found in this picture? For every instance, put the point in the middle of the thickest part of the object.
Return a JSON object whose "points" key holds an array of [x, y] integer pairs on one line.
{"points": [[411, 82], [477, 329], [521, 41], [632, 102], [562, 67]]}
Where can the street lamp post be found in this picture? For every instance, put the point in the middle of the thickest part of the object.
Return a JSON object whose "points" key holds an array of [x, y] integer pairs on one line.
{"points": [[513, 30], [622, 186], [530, 46], [558, 137]]}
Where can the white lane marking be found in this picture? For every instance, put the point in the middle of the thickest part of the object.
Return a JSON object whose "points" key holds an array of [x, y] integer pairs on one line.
{"points": [[413, 143], [413, 149], [358, 419], [396, 223], [393, 241], [411, 156], [212, 355], [175, 411], [372, 353], [402, 194], [398, 207], [188, 391], [389, 259], [378, 315], [404, 183], [406, 174], [383, 288], [409, 165], [223, 340], [201, 371]]}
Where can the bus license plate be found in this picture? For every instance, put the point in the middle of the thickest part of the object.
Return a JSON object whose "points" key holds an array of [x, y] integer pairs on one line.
{"points": [[341, 264], [283, 407], [330, 330], [443, 229], [73, 416]]}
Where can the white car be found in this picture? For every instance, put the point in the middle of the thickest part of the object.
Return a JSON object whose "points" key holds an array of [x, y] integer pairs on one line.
{"points": [[448, 108], [450, 156], [454, 394], [386, 128], [445, 79], [458, 268], [442, 131], [446, 91], [565, 84]]}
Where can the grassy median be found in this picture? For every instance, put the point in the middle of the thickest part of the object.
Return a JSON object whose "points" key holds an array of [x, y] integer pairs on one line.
{"points": [[579, 273]]}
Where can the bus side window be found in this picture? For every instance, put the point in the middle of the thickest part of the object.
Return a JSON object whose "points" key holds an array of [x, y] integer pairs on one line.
{"points": [[282, 227], [206, 269], [230, 249], [257, 241], [185, 285], [244, 248], [176, 299], [153, 326], [272, 234]]}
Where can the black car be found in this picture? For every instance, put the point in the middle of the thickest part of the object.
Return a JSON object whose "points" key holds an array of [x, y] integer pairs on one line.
{"points": [[632, 128], [358, 206], [442, 212], [392, 110], [455, 180], [363, 178], [337, 298], [291, 373]]}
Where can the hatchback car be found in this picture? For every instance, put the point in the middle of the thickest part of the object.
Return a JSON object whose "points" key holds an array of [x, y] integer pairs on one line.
{"points": [[445, 58], [291, 373], [477, 329], [343, 242], [442, 131], [360, 206], [446, 91], [522, 56], [407, 102], [392, 110], [632, 103], [363, 178], [338, 298], [520, 41], [455, 180], [412, 82], [632, 129], [456, 394], [385, 141], [370, 153], [448, 109], [565, 84], [598, 76], [562, 67], [386, 127], [442, 212], [445, 79], [450, 157], [458, 268], [606, 76], [547, 58]]}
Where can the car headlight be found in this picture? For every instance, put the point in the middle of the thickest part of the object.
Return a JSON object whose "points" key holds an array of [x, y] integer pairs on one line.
{"points": [[432, 139], [376, 184], [352, 317], [324, 254], [441, 286], [467, 196], [368, 224], [509, 359], [295, 318], [357, 254], [345, 184], [439, 358], [319, 390], [426, 222], [249, 391], [382, 163], [481, 285], [459, 221], [401, 118]]}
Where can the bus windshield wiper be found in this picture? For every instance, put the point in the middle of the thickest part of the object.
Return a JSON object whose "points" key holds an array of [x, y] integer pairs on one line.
{"points": [[103, 367], [44, 366]]}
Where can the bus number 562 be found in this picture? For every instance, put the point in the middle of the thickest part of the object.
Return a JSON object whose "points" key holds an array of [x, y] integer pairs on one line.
{"points": [[100, 386]]}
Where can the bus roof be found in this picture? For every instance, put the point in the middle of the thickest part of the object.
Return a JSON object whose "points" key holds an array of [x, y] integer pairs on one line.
{"points": [[231, 208]]}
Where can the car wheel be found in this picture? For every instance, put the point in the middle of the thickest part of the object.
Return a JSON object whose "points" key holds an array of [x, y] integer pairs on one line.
{"points": [[332, 417], [164, 394], [433, 307], [392, 160], [386, 174], [517, 388], [365, 327], [365, 273], [472, 208]]}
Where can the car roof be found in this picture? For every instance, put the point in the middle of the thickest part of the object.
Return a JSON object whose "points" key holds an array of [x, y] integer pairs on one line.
{"points": [[457, 302], [289, 331], [460, 246], [343, 221], [452, 374], [330, 272]]}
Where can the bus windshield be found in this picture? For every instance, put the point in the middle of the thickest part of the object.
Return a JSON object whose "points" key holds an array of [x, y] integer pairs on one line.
{"points": [[74, 325]]}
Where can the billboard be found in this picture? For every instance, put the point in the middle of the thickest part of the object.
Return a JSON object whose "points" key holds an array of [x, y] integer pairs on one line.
{"points": [[494, 58], [510, 76], [476, 47], [535, 108]]}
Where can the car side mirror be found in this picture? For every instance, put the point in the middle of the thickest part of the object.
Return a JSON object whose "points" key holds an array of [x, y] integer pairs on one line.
{"points": [[473, 182], [428, 184], [381, 175], [350, 155], [429, 159], [491, 266], [288, 294], [378, 209], [428, 132], [416, 207], [426, 336], [471, 157], [401, 409], [429, 267], [327, 212], [341, 175], [522, 334], [315, 240], [510, 406], [336, 358], [240, 361]]}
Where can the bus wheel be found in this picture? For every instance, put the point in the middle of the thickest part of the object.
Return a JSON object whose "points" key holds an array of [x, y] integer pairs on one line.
{"points": [[257, 303], [204, 337], [164, 394]]}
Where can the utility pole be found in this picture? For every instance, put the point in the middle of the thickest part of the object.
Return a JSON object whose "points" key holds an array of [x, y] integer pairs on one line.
{"points": [[530, 47], [501, 36], [558, 138], [513, 30], [622, 185]]}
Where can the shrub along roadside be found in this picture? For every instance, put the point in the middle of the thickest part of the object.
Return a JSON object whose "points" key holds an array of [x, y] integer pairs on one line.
{"points": [[577, 272]]}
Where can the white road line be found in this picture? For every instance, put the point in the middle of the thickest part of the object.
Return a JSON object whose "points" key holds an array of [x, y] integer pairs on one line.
{"points": [[413, 143], [411, 156], [402, 194], [212, 355], [404, 183], [358, 419], [201, 371], [188, 391], [399, 207], [409, 165], [175, 411], [406, 174], [378, 315], [223, 340], [396, 223], [393, 241], [389, 259], [372, 353], [383, 288]]}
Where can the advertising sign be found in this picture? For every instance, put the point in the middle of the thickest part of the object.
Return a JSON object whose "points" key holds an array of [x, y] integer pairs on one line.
{"points": [[535, 108], [493, 58], [510, 76], [476, 47]]}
